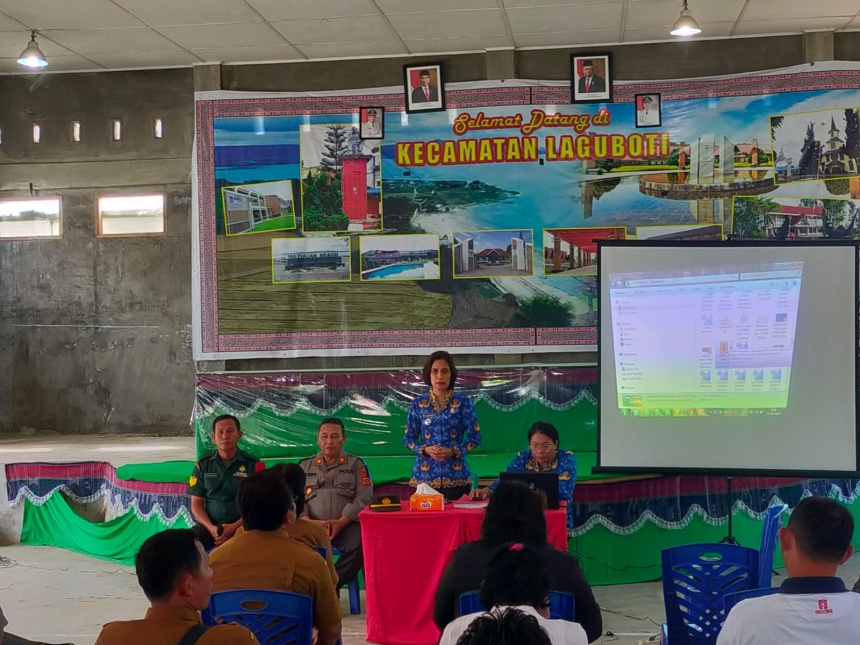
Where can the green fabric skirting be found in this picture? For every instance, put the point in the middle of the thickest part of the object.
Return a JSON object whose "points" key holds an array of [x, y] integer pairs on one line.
{"points": [[605, 557], [55, 523]]}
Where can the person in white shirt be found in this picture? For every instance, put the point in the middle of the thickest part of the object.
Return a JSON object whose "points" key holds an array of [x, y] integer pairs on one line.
{"points": [[812, 606], [508, 627], [517, 580], [649, 113]]}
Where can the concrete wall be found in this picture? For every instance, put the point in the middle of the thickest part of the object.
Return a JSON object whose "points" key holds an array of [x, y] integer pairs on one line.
{"points": [[95, 333]]}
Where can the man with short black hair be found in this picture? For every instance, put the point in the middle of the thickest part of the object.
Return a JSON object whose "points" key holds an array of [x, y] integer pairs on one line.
{"points": [[813, 605], [264, 556], [425, 93], [215, 482], [173, 571], [338, 487]]}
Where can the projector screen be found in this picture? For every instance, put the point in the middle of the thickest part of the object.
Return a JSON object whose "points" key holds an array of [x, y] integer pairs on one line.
{"points": [[735, 358]]}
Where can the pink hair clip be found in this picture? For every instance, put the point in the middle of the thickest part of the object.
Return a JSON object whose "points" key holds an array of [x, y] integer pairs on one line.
{"points": [[516, 547]]}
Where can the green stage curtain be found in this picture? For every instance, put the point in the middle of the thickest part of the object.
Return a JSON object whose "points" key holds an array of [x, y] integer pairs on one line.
{"points": [[55, 523]]}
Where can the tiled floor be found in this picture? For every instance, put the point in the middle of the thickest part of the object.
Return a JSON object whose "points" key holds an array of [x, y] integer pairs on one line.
{"points": [[59, 596]]}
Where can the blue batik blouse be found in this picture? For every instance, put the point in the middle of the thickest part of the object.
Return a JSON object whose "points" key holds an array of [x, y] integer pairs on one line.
{"points": [[564, 464], [456, 427]]}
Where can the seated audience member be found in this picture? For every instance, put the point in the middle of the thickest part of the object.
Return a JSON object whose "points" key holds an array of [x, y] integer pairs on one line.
{"points": [[215, 482], [515, 514], [338, 487], [305, 530], [543, 456], [264, 556], [510, 627], [173, 570], [517, 580], [813, 605]]}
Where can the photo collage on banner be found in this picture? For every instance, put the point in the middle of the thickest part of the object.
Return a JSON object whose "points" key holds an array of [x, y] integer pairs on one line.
{"points": [[352, 221]]}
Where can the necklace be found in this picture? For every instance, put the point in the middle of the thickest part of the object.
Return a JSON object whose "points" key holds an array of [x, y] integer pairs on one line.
{"points": [[439, 406]]}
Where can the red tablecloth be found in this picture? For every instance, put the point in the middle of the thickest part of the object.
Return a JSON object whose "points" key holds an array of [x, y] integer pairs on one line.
{"points": [[405, 554]]}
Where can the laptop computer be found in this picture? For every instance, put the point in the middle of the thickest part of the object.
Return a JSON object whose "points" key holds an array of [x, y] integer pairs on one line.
{"points": [[547, 482]]}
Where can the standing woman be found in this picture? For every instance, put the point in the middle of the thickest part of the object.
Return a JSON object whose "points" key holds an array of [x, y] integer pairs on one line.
{"points": [[441, 428]]}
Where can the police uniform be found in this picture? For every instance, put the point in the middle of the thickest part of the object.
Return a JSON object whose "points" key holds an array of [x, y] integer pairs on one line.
{"points": [[218, 483], [274, 561], [341, 488], [169, 625]]}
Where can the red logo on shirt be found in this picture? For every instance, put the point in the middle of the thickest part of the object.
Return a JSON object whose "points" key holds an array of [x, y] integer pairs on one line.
{"points": [[822, 608]]}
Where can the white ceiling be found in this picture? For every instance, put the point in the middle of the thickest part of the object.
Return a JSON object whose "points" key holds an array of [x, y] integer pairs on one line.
{"points": [[115, 34]]}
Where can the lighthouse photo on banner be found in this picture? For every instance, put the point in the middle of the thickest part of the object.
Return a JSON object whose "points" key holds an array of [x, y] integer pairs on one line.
{"points": [[340, 179]]}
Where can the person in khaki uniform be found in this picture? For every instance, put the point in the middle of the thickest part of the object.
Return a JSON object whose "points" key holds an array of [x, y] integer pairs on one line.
{"points": [[173, 570], [305, 530], [264, 556], [338, 487]]}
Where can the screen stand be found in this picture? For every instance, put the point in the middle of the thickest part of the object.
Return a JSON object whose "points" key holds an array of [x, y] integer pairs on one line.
{"points": [[730, 539]]}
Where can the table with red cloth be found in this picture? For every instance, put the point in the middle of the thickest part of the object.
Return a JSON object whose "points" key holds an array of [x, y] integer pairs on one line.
{"points": [[405, 554]]}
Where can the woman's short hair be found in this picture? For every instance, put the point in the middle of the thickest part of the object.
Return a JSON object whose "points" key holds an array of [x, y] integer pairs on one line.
{"points": [[515, 514], [544, 428], [440, 356], [509, 627], [517, 575], [295, 478], [264, 500]]}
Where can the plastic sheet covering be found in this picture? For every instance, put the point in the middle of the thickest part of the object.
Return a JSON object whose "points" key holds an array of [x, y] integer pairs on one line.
{"points": [[280, 413]]}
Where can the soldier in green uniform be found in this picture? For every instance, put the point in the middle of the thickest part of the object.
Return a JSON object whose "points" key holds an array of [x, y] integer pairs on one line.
{"points": [[338, 487], [215, 482]]}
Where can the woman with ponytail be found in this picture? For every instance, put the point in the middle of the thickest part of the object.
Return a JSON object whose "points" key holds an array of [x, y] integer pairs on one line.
{"points": [[517, 582], [515, 514]]}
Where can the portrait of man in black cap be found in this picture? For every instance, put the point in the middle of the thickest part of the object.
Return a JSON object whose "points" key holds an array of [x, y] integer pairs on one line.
{"points": [[371, 123], [589, 81], [590, 78]]}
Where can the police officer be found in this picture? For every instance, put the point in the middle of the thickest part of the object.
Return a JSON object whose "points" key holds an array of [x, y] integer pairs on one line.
{"points": [[338, 487], [215, 482]]}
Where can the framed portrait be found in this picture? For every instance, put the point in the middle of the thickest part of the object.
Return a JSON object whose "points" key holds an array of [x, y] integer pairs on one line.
{"points": [[649, 110], [424, 88], [372, 123], [590, 78]]}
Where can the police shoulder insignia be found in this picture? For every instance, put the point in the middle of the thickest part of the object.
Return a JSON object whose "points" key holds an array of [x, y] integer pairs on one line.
{"points": [[192, 481]]}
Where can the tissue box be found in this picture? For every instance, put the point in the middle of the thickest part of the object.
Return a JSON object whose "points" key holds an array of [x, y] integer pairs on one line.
{"points": [[426, 502]]}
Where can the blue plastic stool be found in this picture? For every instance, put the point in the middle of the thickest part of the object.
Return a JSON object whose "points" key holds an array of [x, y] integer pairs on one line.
{"points": [[260, 612], [562, 604], [354, 591], [696, 579], [769, 539]]}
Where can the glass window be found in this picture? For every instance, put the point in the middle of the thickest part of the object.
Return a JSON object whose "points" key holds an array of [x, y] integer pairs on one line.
{"points": [[76, 131], [131, 215], [116, 129], [158, 128], [26, 218]]}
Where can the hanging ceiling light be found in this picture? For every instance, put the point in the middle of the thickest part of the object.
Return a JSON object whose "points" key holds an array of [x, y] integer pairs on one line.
{"points": [[685, 25], [32, 56]]}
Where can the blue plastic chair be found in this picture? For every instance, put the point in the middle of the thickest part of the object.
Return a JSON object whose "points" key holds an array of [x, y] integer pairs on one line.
{"points": [[769, 538], [733, 599], [562, 604], [696, 578], [354, 591], [275, 617]]}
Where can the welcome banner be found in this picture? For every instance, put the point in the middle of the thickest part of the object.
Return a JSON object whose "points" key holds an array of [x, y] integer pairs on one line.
{"points": [[476, 228]]}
